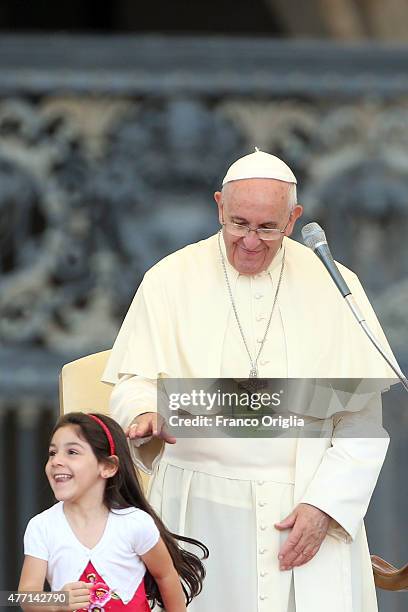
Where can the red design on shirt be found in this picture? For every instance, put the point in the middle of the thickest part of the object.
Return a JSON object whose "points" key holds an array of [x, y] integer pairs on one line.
{"points": [[104, 599]]}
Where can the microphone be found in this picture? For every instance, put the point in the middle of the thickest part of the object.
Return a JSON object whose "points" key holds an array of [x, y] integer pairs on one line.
{"points": [[315, 238]]}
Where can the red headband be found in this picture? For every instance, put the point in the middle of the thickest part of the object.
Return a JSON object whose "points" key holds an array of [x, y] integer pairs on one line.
{"points": [[107, 432]]}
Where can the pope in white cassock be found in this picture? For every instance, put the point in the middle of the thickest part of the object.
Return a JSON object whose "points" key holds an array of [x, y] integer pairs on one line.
{"points": [[282, 518]]}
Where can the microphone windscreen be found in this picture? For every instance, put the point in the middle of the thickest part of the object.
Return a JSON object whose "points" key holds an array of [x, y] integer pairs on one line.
{"points": [[312, 234]]}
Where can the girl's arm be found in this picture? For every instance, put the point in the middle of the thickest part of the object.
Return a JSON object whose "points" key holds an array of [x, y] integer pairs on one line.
{"points": [[160, 565], [33, 578]]}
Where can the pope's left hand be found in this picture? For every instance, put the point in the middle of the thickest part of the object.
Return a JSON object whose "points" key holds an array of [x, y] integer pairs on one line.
{"points": [[308, 526]]}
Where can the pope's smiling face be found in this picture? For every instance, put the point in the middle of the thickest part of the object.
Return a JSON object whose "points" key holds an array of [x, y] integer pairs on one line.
{"points": [[259, 203]]}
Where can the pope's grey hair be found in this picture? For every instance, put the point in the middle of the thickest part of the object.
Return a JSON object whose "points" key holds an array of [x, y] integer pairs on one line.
{"points": [[292, 196]]}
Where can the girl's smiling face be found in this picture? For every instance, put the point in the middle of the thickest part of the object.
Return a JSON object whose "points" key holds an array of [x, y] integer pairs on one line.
{"points": [[72, 469]]}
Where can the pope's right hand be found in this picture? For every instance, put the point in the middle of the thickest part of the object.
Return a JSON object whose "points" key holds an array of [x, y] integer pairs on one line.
{"points": [[149, 424], [78, 595]]}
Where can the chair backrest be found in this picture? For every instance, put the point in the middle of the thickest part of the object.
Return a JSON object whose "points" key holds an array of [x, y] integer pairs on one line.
{"points": [[81, 389]]}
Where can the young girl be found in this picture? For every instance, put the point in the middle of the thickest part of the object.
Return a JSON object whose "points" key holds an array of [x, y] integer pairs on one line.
{"points": [[103, 543]]}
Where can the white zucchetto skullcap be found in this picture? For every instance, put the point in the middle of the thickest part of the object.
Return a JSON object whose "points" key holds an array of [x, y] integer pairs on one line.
{"points": [[259, 165]]}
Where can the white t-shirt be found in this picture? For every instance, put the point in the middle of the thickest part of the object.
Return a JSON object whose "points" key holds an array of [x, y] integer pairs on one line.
{"points": [[129, 533]]}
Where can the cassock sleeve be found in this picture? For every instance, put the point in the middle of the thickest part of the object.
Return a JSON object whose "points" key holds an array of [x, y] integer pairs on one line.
{"points": [[146, 344], [345, 479], [131, 397]]}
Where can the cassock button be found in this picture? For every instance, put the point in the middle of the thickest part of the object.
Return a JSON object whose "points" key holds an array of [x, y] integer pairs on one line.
{"points": [[260, 317], [258, 296], [260, 482], [262, 551], [261, 504], [264, 361], [263, 597], [262, 527], [263, 574]]}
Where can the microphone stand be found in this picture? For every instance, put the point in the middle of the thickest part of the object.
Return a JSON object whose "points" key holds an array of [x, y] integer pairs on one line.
{"points": [[363, 323], [315, 238]]}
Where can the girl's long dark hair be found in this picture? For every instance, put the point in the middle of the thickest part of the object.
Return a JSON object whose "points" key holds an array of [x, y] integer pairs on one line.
{"points": [[124, 490]]}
